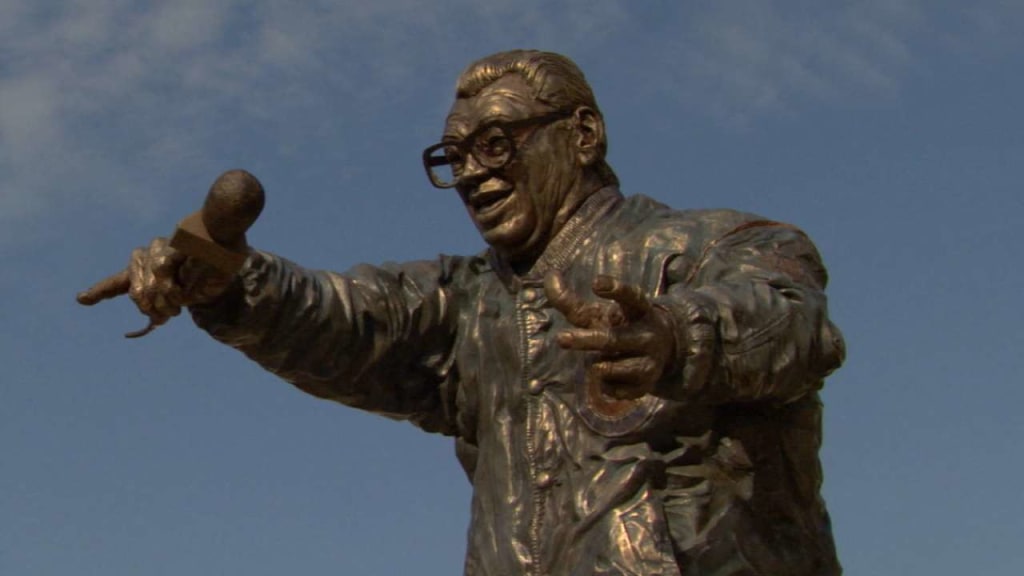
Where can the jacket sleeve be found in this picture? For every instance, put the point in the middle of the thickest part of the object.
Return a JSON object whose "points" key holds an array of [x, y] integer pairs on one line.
{"points": [[375, 338], [751, 316]]}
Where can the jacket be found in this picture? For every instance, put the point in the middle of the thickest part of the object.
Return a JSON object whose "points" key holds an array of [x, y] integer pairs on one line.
{"points": [[714, 474]]}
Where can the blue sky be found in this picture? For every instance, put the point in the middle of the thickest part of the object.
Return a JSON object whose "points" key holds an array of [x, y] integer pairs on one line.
{"points": [[890, 130]]}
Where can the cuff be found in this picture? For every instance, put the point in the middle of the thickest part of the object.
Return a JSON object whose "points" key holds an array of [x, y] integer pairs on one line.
{"points": [[694, 318], [229, 309]]}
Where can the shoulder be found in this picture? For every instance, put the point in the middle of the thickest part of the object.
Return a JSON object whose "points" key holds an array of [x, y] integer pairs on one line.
{"points": [[641, 219], [652, 235]]}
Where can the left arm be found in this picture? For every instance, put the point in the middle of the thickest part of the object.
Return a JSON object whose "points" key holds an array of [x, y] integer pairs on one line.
{"points": [[751, 317], [747, 321]]}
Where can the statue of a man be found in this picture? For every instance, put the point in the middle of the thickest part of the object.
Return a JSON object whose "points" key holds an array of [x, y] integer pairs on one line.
{"points": [[631, 389]]}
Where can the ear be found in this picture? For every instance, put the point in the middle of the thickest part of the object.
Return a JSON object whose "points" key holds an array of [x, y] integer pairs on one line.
{"points": [[589, 135]]}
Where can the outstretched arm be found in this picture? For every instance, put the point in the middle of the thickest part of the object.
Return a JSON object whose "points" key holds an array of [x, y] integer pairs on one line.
{"points": [[375, 338], [379, 339]]}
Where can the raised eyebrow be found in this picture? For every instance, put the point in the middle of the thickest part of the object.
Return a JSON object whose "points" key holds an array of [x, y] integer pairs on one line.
{"points": [[491, 121], [459, 135], [455, 128]]}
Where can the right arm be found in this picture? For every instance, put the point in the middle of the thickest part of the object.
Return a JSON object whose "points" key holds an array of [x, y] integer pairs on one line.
{"points": [[376, 338]]}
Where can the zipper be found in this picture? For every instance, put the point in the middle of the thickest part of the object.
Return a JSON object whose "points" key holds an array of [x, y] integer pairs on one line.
{"points": [[537, 495]]}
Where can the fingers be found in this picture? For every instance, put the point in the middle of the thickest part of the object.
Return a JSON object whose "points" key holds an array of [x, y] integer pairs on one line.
{"points": [[625, 367], [149, 328], [629, 297], [630, 303], [150, 280], [565, 300], [165, 260], [110, 287], [608, 341], [164, 288], [152, 273], [628, 378], [638, 368]]}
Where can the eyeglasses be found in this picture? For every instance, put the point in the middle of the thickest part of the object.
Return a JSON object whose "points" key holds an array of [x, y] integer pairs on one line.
{"points": [[492, 145]]}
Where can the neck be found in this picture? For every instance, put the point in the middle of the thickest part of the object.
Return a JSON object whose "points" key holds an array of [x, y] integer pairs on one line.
{"points": [[577, 195], [589, 185]]}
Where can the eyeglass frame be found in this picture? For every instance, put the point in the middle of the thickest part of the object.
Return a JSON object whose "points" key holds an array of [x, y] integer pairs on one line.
{"points": [[466, 146]]}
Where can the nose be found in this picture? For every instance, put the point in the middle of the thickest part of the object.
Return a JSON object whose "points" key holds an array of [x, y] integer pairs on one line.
{"points": [[472, 171]]}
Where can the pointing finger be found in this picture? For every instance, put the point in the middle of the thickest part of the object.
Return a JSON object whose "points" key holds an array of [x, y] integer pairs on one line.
{"points": [[110, 287]]}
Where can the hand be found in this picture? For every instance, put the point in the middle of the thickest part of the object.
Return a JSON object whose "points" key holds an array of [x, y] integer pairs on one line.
{"points": [[160, 280], [633, 339]]}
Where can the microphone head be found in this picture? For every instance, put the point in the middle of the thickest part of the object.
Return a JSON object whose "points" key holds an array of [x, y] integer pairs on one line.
{"points": [[233, 203]]}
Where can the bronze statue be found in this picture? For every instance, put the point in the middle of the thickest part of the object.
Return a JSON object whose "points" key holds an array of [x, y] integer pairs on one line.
{"points": [[632, 390]]}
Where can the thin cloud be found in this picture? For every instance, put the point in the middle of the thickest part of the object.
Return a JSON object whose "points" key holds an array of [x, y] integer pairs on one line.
{"points": [[990, 27], [104, 92], [738, 60]]}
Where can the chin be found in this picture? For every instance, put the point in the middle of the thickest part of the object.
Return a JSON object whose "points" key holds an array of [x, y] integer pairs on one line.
{"points": [[509, 247], [519, 248]]}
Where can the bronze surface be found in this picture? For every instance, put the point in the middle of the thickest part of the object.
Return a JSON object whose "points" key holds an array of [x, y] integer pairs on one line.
{"points": [[630, 389]]}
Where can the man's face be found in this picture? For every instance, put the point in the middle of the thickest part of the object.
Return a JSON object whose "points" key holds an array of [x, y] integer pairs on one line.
{"points": [[515, 206]]}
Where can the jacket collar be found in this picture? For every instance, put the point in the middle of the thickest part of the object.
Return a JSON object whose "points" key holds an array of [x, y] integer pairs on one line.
{"points": [[560, 250]]}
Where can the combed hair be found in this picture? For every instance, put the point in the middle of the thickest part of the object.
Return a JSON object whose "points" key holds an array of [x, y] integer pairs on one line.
{"points": [[555, 80]]}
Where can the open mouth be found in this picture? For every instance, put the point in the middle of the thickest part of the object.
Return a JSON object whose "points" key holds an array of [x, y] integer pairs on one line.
{"points": [[487, 202]]}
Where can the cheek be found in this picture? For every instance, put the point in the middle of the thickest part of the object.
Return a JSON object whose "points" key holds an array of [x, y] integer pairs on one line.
{"points": [[547, 174], [523, 216], [553, 181]]}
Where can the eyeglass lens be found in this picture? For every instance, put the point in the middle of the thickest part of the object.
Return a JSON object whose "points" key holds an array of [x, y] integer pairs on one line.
{"points": [[491, 149]]}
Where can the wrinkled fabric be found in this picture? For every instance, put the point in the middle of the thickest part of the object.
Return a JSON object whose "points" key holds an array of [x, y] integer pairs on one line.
{"points": [[715, 474]]}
